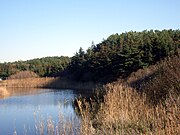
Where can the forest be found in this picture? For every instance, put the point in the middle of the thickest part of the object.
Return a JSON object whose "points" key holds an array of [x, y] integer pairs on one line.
{"points": [[121, 54], [42, 66], [117, 56]]}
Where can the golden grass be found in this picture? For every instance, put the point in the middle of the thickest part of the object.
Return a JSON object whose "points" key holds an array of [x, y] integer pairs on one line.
{"points": [[27, 82], [63, 125], [48, 82], [3, 92], [125, 112], [69, 84]]}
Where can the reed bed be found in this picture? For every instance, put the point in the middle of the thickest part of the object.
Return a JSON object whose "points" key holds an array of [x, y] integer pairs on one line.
{"points": [[48, 126], [125, 112], [69, 84], [3, 92], [47, 82], [62, 126], [27, 82]]}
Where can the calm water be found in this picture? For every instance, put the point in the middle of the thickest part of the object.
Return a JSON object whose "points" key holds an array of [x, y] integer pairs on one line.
{"points": [[24, 110]]}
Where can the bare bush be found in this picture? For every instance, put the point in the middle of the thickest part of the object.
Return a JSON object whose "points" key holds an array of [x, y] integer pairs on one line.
{"points": [[23, 74]]}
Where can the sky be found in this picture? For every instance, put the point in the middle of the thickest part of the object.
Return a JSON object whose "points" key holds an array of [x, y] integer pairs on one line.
{"points": [[40, 28]]}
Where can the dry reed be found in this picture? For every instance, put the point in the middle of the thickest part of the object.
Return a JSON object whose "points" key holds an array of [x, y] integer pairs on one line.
{"points": [[3, 92], [124, 112], [27, 82], [63, 126], [48, 82]]}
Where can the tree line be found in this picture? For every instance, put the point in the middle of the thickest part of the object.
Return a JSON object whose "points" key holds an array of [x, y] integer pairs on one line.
{"points": [[42, 66], [117, 56], [122, 54]]}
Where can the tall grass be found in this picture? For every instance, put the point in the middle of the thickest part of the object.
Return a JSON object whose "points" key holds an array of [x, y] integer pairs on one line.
{"points": [[124, 111], [62, 126], [3, 92], [48, 82], [70, 84], [27, 82], [152, 109], [158, 81]]}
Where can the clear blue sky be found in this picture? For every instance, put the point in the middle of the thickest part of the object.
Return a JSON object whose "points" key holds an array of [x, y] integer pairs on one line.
{"points": [[39, 28]]}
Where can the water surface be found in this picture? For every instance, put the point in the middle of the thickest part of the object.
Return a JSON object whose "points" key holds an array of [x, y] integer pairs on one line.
{"points": [[24, 110]]}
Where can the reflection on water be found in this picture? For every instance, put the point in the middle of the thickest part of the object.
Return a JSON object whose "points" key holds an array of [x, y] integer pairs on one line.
{"points": [[21, 111]]}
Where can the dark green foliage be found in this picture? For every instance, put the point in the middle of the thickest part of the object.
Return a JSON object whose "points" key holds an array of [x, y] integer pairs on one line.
{"points": [[120, 55], [43, 67]]}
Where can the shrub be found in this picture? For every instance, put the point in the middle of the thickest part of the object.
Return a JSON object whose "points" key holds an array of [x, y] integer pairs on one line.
{"points": [[23, 74]]}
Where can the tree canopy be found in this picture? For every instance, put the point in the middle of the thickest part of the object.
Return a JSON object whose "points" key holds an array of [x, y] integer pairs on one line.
{"points": [[120, 55], [42, 66], [117, 56]]}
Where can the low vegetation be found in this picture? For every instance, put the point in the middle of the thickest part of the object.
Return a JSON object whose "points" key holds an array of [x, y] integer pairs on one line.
{"points": [[27, 82], [153, 107], [158, 81], [48, 82], [3, 92], [124, 112], [23, 75]]}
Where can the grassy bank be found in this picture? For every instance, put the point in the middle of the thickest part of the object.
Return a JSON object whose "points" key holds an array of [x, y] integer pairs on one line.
{"points": [[124, 111], [3, 92], [27, 82], [148, 103], [48, 82]]}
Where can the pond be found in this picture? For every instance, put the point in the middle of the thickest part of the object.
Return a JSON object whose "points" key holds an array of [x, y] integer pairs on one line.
{"points": [[32, 111]]}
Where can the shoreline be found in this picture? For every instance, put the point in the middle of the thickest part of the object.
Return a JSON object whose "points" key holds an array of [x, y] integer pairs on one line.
{"points": [[48, 82], [4, 93]]}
